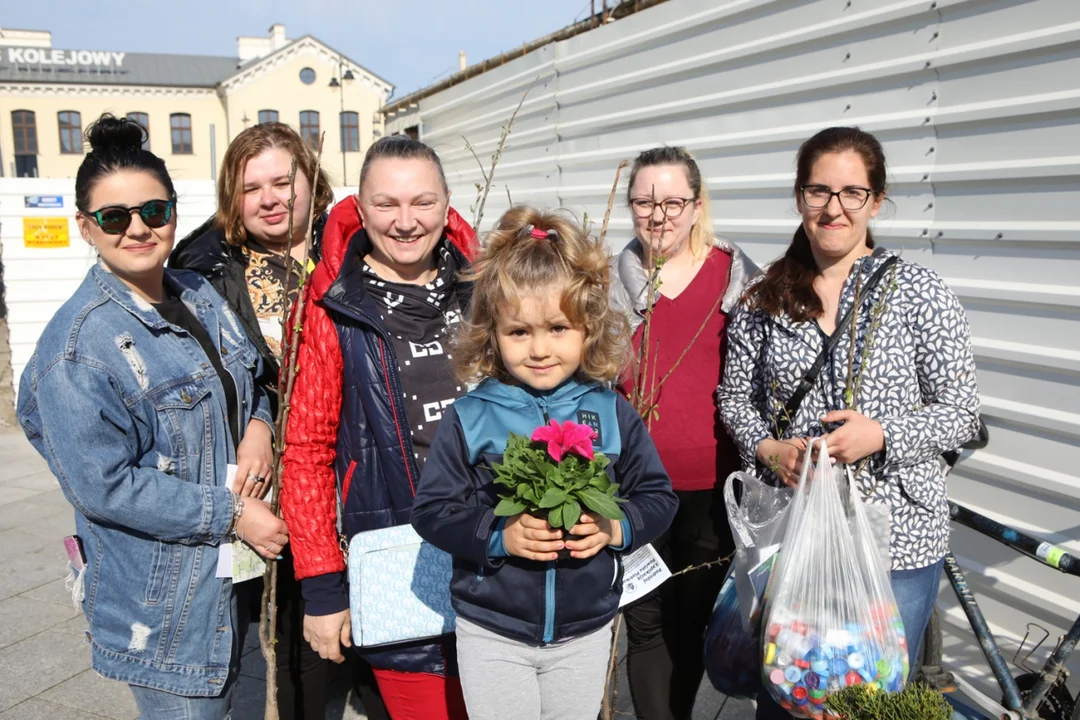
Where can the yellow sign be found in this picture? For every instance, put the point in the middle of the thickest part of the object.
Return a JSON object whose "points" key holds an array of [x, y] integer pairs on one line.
{"points": [[42, 232]]}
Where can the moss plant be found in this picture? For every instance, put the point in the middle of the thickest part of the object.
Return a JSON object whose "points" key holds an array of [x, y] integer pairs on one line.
{"points": [[915, 702]]}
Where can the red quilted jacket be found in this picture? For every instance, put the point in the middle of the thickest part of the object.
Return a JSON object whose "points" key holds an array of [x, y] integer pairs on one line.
{"points": [[309, 483]]}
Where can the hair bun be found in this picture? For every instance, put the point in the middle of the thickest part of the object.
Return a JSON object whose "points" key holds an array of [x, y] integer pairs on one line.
{"points": [[110, 135]]}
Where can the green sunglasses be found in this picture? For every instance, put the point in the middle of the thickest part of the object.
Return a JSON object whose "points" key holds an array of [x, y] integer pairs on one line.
{"points": [[115, 219]]}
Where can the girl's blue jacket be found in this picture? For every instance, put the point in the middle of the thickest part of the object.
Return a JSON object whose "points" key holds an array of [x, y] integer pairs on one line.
{"points": [[532, 601]]}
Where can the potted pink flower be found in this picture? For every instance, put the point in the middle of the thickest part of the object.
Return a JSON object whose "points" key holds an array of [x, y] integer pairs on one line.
{"points": [[556, 475]]}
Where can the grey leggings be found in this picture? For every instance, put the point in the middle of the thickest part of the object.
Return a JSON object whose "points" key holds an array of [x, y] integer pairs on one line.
{"points": [[504, 678]]}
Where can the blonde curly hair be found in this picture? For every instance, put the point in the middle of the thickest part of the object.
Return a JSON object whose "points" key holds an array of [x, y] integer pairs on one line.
{"points": [[513, 263]]}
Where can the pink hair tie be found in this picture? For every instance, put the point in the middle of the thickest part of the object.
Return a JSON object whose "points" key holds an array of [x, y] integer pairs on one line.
{"points": [[538, 234]]}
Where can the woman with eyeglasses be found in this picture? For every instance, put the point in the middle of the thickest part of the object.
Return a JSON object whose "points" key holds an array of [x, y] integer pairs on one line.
{"points": [[906, 394], [140, 392], [679, 335]]}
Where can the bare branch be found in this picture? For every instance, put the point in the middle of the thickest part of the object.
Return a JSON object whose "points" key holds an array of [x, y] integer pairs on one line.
{"points": [[611, 199], [490, 177], [286, 378], [470, 148]]}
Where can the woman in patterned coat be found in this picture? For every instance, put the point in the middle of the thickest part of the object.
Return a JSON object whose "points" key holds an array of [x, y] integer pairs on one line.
{"points": [[909, 393]]}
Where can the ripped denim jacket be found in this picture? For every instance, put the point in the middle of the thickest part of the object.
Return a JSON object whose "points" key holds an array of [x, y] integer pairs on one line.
{"points": [[130, 416]]}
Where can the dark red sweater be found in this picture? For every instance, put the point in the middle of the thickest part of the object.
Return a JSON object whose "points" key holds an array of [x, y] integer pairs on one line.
{"points": [[693, 445]]}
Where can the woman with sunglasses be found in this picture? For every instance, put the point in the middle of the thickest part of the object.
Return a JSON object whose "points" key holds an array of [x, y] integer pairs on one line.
{"points": [[247, 253], [889, 409], [140, 392], [698, 279]]}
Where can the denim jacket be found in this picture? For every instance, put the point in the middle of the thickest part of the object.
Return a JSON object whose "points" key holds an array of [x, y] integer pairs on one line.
{"points": [[130, 416]]}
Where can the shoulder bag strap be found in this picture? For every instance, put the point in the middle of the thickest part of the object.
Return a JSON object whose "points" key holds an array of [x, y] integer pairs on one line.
{"points": [[793, 403]]}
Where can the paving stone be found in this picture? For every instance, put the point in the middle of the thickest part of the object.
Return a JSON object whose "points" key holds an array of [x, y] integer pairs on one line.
{"points": [[252, 664], [21, 573], [34, 479], [17, 541], [10, 494], [76, 626], [36, 664], [35, 709], [24, 513], [53, 527], [90, 692], [249, 699], [22, 617]]}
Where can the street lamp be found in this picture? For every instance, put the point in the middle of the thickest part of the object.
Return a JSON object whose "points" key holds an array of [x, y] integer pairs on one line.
{"points": [[346, 77]]}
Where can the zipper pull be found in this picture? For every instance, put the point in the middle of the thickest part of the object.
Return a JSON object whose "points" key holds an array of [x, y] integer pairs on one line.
{"points": [[543, 409]]}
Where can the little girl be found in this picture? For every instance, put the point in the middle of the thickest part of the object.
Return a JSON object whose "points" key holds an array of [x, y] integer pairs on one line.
{"points": [[534, 632]]}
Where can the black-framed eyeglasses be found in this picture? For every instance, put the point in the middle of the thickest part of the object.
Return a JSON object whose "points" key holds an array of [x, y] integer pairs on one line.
{"points": [[115, 219], [852, 197], [672, 207]]}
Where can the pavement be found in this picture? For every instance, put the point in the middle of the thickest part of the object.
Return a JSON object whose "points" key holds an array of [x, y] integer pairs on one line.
{"points": [[44, 656]]}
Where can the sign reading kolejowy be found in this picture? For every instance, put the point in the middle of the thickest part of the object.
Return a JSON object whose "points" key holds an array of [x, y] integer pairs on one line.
{"points": [[48, 56]]}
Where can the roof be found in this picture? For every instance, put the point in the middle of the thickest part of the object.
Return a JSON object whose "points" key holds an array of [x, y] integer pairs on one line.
{"points": [[265, 61], [134, 69]]}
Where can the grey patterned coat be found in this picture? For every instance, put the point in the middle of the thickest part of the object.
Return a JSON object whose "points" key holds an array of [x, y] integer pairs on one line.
{"points": [[919, 383]]}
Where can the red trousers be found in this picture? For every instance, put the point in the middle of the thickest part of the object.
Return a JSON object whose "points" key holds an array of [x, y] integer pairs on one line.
{"points": [[421, 696]]}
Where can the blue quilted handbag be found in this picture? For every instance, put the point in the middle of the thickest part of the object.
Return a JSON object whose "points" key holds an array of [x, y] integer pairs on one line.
{"points": [[399, 588]]}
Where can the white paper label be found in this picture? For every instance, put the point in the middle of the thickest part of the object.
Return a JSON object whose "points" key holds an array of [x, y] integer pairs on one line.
{"points": [[643, 572], [237, 560]]}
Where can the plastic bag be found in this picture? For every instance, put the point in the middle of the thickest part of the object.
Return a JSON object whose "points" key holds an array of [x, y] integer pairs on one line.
{"points": [[731, 653], [732, 649], [830, 619]]}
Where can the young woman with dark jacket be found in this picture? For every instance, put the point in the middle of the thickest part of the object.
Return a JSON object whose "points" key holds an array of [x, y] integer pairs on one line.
{"points": [[246, 252], [373, 376]]}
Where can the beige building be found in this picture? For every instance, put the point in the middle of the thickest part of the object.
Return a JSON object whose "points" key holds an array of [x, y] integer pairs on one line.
{"points": [[190, 105]]}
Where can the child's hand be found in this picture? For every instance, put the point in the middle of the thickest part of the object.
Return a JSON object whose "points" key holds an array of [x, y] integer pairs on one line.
{"points": [[597, 533], [531, 538]]}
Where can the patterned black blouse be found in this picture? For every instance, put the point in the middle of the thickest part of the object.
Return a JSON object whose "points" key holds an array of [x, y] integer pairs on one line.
{"points": [[918, 382]]}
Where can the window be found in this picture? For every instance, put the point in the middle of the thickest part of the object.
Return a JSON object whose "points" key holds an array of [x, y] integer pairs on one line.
{"points": [[70, 132], [350, 132], [24, 127], [144, 122], [309, 127], [267, 116], [307, 76], [180, 124], [24, 124]]}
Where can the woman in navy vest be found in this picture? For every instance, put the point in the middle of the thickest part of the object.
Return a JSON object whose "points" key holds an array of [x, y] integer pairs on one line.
{"points": [[373, 376]]}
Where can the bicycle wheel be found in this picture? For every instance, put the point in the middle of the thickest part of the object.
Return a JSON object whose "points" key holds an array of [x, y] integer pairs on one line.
{"points": [[1058, 703]]}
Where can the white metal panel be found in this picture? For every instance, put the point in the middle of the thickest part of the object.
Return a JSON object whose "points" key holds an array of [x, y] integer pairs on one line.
{"points": [[977, 103], [38, 281]]}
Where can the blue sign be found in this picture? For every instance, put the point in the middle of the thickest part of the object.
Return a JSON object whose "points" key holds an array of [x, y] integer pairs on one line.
{"points": [[44, 201]]}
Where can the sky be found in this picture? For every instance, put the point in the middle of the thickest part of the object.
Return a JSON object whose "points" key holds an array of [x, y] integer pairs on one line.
{"points": [[410, 43]]}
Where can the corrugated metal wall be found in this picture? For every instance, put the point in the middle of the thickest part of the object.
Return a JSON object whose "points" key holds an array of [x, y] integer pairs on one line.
{"points": [[977, 103]]}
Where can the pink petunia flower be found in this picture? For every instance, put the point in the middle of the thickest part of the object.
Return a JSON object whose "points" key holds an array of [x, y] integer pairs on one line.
{"points": [[566, 437]]}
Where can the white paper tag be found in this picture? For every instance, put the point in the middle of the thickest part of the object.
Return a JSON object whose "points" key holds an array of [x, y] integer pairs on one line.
{"points": [[643, 572], [236, 560]]}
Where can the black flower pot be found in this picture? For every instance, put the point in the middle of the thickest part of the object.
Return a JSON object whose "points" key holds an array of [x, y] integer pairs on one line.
{"points": [[563, 554]]}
